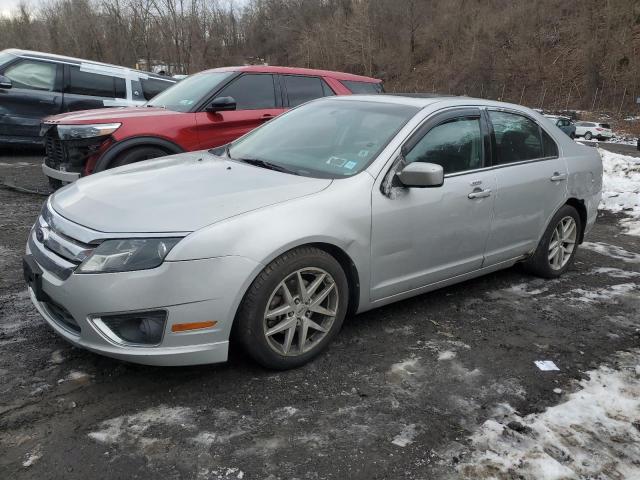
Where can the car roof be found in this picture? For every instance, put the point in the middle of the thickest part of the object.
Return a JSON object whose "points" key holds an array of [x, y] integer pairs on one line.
{"points": [[424, 100], [296, 71], [77, 61]]}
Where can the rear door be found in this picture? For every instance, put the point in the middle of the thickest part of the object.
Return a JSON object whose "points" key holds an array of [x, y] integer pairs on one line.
{"points": [[258, 100], [86, 90], [35, 93], [531, 181]]}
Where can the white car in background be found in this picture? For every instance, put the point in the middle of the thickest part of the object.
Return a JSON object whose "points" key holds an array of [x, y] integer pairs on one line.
{"points": [[589, 130]]}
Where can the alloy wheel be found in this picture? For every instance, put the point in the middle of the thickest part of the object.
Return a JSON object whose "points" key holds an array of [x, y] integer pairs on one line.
{"points": [[301, 311], [562, 243]]}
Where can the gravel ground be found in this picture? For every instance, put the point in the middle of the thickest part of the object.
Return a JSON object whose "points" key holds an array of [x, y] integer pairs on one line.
{"points": [[400, 394]]}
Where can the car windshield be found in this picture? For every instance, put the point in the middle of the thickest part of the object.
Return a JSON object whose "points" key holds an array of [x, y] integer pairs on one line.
{"points": [[6, 57], [184, 95], [326, 138]]}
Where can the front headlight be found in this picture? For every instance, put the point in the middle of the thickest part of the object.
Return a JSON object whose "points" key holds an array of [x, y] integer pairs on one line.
{"points": [[75, 132], [125, 255]]}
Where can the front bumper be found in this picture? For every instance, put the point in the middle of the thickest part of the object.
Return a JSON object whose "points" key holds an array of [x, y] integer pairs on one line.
{"points": [[189, 291], [59, 174]]}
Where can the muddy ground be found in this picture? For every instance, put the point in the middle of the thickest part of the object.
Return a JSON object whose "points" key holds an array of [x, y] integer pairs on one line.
{"points": [[397, 396]]}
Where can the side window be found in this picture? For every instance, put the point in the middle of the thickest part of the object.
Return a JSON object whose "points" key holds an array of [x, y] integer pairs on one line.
{"points": [[90, 84], [121, 88], [302, 89], [326, 89], [455, 144], [33, 75], [252, 92], [517, 138], [549, 146], [363, 87], [152, 86]]}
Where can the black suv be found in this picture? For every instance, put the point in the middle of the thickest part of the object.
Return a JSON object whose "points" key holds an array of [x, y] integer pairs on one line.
{"points": [[34, 85]]}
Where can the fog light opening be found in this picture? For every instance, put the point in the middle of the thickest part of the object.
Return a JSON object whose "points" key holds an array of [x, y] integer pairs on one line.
{"points": [[141, 328]]}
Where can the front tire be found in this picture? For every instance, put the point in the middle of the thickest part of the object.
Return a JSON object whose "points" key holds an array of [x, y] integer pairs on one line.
{"points": [[587, 136], [138, 154], [557, 248], [293, 309]]}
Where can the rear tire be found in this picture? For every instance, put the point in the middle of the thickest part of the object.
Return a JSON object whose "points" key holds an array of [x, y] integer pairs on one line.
{"points": [[138, 154], [274, 339], [562, 233]]}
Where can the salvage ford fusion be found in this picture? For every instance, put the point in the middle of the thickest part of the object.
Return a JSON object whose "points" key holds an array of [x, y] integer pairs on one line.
{"points": [[336, 207]]}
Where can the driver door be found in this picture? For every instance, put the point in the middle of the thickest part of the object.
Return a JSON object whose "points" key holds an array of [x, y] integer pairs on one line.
{"points": [[256, 103], [421, 236]]}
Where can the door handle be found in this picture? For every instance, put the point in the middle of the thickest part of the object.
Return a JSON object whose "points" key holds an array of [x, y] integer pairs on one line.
{"points": [[558, 177], [267, 116], [478, 193]]}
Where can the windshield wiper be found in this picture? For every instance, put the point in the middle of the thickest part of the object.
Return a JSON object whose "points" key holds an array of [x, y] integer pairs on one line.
{"points": [[264, 164]]}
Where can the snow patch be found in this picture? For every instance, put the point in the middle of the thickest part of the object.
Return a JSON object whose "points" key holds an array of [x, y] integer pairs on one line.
{"points": [[32, 457], [621, 188], [612, 251], [593, 434], [614, 272], [606, 294], [446, 355], [131, 428], [406, 436]]}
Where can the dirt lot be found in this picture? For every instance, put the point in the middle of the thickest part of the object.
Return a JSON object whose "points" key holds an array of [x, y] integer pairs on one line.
{"points": [[397, 396]]}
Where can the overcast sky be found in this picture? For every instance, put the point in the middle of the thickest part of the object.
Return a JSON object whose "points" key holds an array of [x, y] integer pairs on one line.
{"points": [[6, 6]]}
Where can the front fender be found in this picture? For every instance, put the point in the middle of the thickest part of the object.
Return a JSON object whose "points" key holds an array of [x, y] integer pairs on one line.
{"points": [[339, 216], [117, 148]]}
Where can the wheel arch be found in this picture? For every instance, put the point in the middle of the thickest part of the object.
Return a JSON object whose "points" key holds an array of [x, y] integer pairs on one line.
{"points": [[350, 270], [147, 141], [582, 212], [342, 257]]}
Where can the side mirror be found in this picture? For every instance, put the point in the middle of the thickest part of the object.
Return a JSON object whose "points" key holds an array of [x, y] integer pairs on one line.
{"points": [[421, 175], [5, 82], [221, 104]]}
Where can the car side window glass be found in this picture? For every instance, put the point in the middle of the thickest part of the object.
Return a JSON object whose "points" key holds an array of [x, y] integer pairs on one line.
{"points": [[549, 145], [90, 84], [152, 86], [120, 88], [302, 89], [456, 145], [252, 92], [327, 90], [517, 138], [363, 87], [33, 75]]}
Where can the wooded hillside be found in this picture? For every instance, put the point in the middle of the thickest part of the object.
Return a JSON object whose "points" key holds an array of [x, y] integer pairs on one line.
{"points": [[550, 53]]}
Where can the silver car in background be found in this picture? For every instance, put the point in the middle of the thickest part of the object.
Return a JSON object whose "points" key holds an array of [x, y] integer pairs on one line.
{"points": [[337, 207]]}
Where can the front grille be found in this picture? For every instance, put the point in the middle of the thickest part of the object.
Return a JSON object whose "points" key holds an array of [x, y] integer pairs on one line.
{"points": [[62, 317], [54, 149]]}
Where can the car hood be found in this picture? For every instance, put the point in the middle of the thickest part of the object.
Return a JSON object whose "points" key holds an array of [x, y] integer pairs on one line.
{"points": [[180, 193], [103, 115]]}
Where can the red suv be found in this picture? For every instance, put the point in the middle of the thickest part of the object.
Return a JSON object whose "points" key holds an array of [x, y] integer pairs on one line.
{"points": [[202, 111]]}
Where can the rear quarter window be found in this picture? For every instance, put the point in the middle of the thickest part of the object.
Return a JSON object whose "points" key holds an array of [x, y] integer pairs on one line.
{"points": [[153, 86], [363, 87]]}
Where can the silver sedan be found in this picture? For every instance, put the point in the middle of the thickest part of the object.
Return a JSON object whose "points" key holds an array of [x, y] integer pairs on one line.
{"points": [[336, 207]]}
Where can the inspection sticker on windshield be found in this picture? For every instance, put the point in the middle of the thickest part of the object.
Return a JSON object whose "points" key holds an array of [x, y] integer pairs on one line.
{"points": [[546, 365], [350, 164], [363, 153], [336, 161]]}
